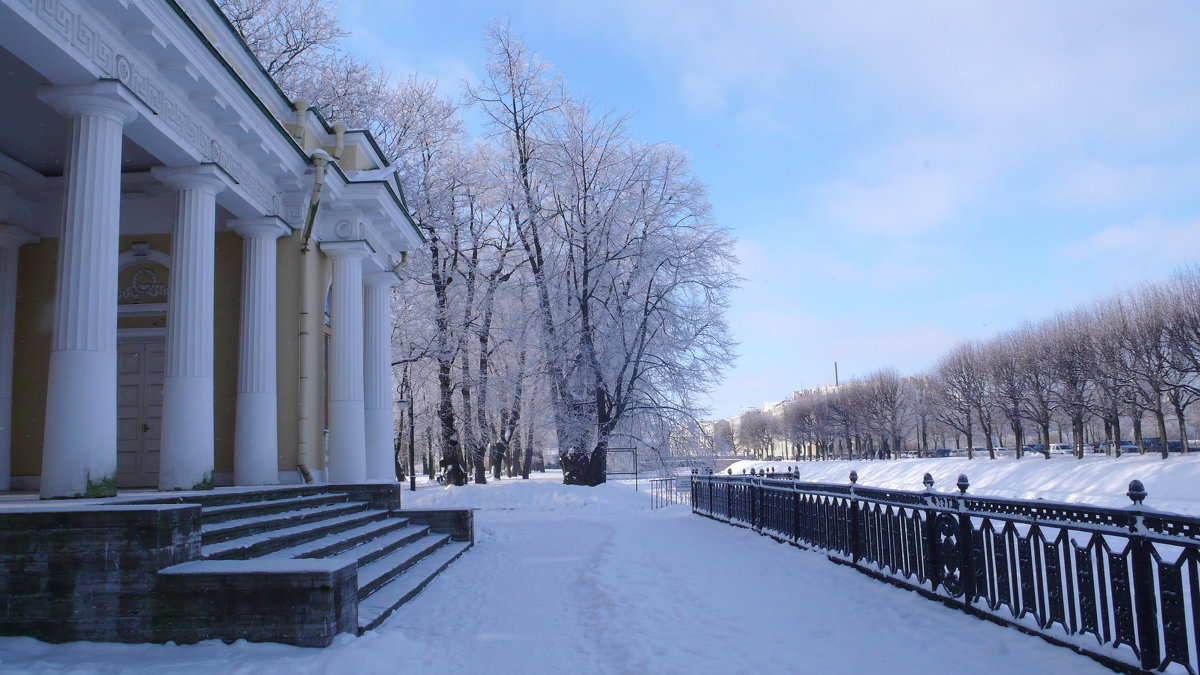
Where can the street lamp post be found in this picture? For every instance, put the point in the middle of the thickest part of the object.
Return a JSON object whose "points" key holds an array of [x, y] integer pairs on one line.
{"points": [[412, 460]]}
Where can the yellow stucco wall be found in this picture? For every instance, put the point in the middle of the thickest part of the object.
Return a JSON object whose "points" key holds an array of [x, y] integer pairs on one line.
{"points": [[287, 281], [31, 354], [227, 299]]}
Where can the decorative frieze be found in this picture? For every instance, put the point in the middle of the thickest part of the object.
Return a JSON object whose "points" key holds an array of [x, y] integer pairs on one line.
{"points": [[81, 31]]}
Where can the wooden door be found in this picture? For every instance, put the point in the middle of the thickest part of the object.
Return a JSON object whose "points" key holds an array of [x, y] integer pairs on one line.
{"points": [[140, 367]]}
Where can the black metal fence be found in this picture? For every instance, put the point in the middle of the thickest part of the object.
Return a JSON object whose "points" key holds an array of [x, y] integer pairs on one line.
{"points": [[671, 490], [1121, 584]]}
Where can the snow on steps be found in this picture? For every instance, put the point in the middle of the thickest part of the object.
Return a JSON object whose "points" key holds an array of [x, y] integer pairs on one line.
{"points": [[378, 606], [264, 542], [226, 512], [395, 558]]}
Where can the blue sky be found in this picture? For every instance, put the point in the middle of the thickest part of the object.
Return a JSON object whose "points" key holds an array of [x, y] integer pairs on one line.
{"points": [[899, 176]]}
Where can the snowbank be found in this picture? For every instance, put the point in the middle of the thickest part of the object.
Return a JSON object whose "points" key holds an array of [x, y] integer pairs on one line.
{"points": [[1096, 479]]}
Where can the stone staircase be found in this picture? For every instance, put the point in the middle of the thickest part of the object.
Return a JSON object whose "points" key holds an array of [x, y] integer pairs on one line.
{"points": [[295, 532], [295, 564]]}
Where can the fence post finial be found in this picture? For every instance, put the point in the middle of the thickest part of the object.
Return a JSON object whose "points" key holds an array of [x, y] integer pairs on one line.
{"points": [[1137, 491], [928, 481], [853, 477], [963, 483]]}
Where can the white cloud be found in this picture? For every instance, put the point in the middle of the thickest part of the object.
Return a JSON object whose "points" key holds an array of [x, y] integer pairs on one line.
{"points": [[702, 91], [899, 206], [1150, 245], [1108, 184]]}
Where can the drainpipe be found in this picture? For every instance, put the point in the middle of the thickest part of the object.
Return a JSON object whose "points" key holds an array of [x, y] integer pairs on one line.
{"points": [[319, 159], [300, 105], [311, 337], [339, 132]]}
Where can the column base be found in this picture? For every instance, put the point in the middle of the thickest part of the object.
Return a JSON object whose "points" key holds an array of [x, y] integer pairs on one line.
{"points": [[79, 454], [186, 454], [347, 442], [256, 440], [381, 453]]}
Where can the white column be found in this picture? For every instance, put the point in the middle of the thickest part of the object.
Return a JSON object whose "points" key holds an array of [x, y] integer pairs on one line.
{"points": [[11, 240], [347, 432], [186, 454], [377, 376], [256, 432], [79, 451]]}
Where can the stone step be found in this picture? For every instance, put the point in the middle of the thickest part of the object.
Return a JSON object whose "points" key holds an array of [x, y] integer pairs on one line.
{"points": [[379, 605], [383, 569], [263, 542], [375, 549], [225, 495], [218, 532], [339, 542], [238, 511]]}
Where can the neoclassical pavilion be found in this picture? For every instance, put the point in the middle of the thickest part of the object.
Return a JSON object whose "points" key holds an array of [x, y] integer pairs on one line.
{"points": [[195, 272]]}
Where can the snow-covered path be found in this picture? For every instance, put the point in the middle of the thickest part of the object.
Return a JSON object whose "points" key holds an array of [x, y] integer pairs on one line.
{"points": [[578, 580]]}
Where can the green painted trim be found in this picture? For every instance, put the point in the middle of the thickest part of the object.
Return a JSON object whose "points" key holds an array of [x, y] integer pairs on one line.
{"points": [[233, 73], [397, 195]]}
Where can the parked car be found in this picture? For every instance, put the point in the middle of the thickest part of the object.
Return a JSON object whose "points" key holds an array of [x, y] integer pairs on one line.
{"points": [[940, 452], [1107, 446], [1061, 448], [1177, 446], [1035, 447]]}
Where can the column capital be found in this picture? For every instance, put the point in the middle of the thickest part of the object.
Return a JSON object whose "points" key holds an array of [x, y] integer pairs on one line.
{"points": [[207, 176], [107, 98], [358, 248], [267, 227], [11, 235], [380, 278]]}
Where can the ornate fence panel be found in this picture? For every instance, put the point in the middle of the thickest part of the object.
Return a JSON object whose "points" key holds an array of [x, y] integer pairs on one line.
{"points": [[1122, 585], [670, 490]]}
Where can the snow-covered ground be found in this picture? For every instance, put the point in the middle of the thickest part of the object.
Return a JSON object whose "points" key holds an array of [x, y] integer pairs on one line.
{"points": [[589, 580], [1095, 479]]}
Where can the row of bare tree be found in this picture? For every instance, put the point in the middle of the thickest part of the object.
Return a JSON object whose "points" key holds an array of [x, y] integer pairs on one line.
{"points": [[573, 290], [1098, 371]]}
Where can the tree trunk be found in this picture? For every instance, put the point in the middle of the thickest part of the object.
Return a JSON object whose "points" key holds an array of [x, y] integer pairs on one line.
{"points": [[576, 463], [598, 465], [1018, 436], [1161, 420], [1183, 442], [528, 463]]}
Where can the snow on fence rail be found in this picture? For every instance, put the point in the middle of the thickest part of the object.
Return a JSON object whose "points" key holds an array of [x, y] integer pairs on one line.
{"points": [[1119, 584], [671, 490]]}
